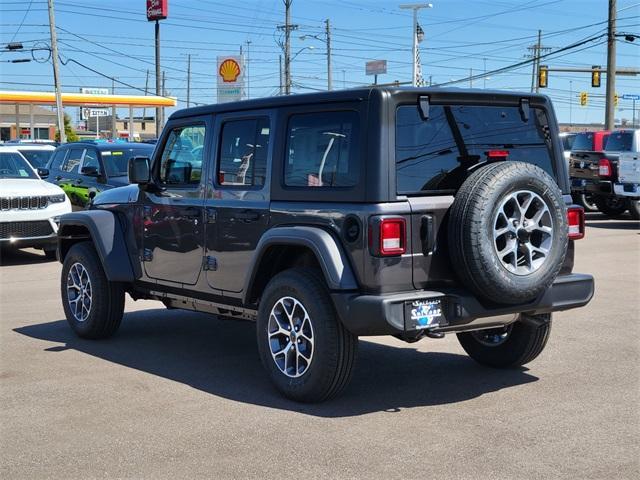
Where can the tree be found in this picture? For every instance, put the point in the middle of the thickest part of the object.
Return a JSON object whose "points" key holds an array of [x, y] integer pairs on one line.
{"points": [[68, 130]]}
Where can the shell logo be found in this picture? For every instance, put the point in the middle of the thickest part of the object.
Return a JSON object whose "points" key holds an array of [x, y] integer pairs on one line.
{"points": [[229, 70]]}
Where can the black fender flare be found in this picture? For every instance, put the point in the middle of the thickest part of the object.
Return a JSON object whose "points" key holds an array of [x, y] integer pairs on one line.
{"points": [[107, 238], [332, 259]]}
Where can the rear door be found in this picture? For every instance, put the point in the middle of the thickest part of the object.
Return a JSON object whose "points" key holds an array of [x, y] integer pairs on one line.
{"points": [[435, 156], [237, 207]]}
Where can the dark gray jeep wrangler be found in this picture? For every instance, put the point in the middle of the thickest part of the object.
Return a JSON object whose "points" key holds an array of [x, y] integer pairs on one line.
{"points": [[386, 211]]}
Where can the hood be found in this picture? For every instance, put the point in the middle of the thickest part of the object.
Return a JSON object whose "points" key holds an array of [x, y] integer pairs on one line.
{"points": [[24, 187], [120, 181], [126, 194]]}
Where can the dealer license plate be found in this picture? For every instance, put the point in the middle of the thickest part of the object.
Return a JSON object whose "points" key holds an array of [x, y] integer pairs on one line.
{"points": [[421, 314]]}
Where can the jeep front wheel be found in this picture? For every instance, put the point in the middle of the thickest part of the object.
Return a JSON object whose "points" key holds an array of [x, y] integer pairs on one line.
{"points": [[510, 346], [92, 304], [611, 206], [308, 354]]}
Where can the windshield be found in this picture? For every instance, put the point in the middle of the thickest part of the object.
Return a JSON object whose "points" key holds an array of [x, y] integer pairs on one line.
{"points": [[13, 165], [619, 142], [437, 154], [37, 158], [116, 161]]}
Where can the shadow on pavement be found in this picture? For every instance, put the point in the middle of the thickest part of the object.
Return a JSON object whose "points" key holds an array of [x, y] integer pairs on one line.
{"points": [[13, 257], [220, 357], [622, 222]]}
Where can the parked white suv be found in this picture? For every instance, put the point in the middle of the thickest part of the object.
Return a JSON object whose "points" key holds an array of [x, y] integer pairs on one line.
{"points": [[30, 208]]}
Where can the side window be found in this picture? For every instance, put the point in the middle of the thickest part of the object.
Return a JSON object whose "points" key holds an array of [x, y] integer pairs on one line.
{"points": [[181, 161], [56, 159], [244, 145], [73, 160], [322, 150], [91, 159]]}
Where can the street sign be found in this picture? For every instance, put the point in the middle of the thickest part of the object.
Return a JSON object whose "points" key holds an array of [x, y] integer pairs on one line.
{"points": [[376, 67], [91, 91], [230, 78], [94, 112], [629, 96]]}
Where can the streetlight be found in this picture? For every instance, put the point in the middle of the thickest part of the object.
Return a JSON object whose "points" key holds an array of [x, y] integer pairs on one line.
{"points": [[418, 35]]}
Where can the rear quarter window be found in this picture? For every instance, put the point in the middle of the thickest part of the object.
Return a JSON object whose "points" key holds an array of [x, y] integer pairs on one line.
{"points": [[619, 142], [436, 155]]}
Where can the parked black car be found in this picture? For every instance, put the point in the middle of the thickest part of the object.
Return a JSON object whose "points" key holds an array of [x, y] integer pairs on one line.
{"points": [[323, 217], [80, 168]]}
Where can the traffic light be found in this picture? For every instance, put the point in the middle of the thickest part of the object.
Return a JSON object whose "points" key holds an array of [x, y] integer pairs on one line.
{"points": [[543, 76], [584, 97], [595, 76], [615, 99]]}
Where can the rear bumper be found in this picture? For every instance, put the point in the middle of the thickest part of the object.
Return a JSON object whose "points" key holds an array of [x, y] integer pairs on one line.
{"points": [[386, 314], [631, 190], [599, 187]]}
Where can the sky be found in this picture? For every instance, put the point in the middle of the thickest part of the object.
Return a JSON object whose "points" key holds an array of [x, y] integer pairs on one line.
{"points": [[99, 40]]}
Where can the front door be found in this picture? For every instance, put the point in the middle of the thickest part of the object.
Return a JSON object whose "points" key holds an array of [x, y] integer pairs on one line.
{"points": [[68, 178], [173, 216], [238, 202]]}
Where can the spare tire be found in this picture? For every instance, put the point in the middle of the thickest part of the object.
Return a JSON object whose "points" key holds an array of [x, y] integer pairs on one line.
{"points": [[508, 232]]}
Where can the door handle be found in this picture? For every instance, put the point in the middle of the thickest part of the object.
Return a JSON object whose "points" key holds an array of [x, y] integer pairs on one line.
{"points": [[58, 178], [79, 181]]}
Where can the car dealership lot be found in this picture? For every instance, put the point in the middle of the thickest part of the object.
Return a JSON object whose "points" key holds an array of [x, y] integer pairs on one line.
{"points": [[178, 394]]}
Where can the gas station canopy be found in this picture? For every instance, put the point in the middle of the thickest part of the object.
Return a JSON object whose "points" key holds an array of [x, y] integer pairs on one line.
{"points": [[86, 99]]}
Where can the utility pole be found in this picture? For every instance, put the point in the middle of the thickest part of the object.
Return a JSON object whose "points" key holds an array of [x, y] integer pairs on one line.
{"points": [[248, 42], [288, 28], [114, 133], [280, 76], [609, 118], [188, 80], [56, 73], [159, 111], [329, 72], [414, 33], [146, 92], [536, 50]]}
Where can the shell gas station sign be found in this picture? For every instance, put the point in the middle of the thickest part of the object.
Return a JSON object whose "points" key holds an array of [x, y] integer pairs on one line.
{"points": [[230, 74]]}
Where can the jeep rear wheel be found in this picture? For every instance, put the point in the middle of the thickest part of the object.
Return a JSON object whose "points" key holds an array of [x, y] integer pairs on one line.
{"points": [[307, 352], [508, 232], [511, 346], [92, 304]]}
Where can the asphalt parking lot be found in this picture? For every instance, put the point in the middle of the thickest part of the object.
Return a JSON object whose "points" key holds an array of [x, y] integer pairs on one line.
{"points": [[183, 395]]}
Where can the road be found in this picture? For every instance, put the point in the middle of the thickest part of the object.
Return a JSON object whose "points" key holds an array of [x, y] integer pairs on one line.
{"points": [[183, 395]]}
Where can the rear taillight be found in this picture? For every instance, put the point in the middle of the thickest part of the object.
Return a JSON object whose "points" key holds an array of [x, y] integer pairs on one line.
{"points": [[575, 220], [388, 236], [604, 168]]}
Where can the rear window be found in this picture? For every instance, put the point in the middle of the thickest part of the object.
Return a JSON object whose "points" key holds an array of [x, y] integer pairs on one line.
{"points": [[619, 142], [37, 158], [436, 154], [567, 141], [583, 141]]}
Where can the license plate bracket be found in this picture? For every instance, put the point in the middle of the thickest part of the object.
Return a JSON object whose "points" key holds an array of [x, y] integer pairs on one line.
{"points": [[425, 314]]}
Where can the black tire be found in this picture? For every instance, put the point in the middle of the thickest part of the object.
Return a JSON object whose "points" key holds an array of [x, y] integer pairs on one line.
{"points": [[585, 200], [334, 348], [50, 254], [474, 216], [611, 206], [634, 209], [525, 340], [107, 298]]}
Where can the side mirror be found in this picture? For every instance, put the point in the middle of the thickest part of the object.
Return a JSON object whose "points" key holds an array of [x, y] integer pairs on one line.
{"points": [[139, 171], [43, 173], [90, 171]]}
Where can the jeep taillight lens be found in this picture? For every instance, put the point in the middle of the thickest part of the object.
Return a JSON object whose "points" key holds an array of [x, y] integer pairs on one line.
{"points": [[604, 168], [392, 236], [575, 220]]}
